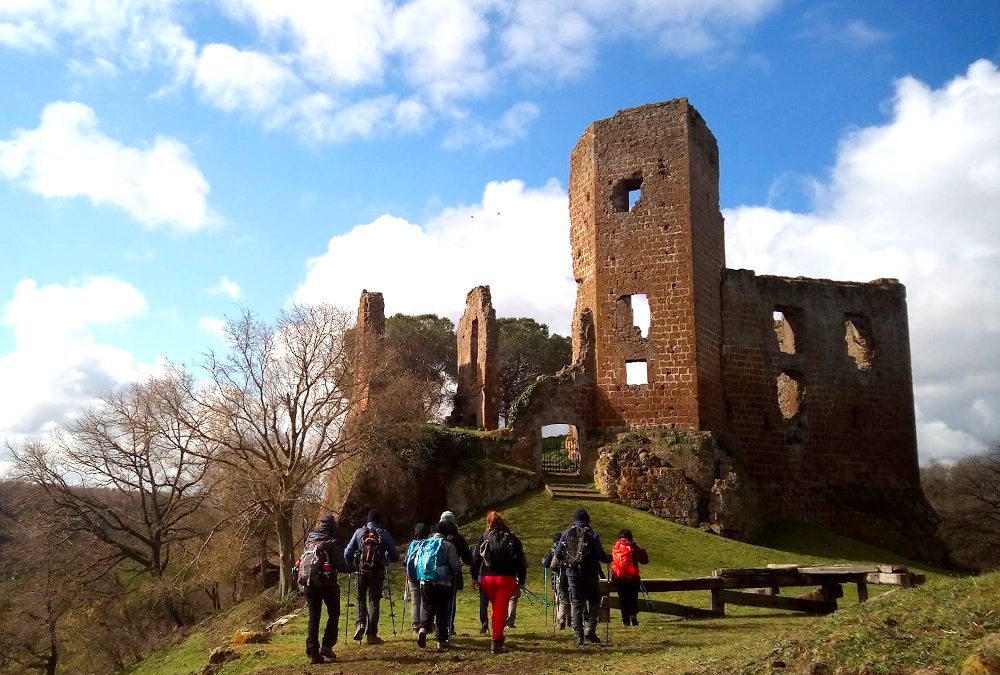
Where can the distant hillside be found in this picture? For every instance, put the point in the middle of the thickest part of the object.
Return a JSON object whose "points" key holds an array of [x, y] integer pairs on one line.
{"points": [[741, 642]]}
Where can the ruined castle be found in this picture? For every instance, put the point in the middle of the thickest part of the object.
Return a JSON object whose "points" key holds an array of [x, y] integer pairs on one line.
{"points": [[747, 397]]}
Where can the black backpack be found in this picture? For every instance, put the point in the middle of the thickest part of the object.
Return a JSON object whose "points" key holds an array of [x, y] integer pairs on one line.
{"points": [[497, 549], [310, 568], [370, 551], [577, 544]]}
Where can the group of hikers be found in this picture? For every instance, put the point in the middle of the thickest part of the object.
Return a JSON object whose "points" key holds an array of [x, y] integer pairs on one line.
{"points": [[434, 561]]}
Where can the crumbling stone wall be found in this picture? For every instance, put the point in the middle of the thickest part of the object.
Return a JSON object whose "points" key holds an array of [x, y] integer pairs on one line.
{"points": [[819, 395], [645, 221], [477, 395], [369, 330], [683, 476]]}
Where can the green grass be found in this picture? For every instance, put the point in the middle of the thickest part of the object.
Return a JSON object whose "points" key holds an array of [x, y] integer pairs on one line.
{"points": [[740, 642]]}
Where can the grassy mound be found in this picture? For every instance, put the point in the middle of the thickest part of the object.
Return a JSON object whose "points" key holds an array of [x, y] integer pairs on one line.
{"points": [[742, 641]]}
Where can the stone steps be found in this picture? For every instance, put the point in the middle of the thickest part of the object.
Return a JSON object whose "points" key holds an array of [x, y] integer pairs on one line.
{"points": [[578, 491]]}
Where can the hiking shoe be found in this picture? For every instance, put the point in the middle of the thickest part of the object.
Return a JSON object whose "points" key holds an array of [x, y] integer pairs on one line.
{"points": [[441, 646], [635, 620], [327, 652], [511, 624], [562, 625], [375, 640], [593, 638], [421, 639], [496, 647], [579, 639], [359, 632], [315, 660], [485, 630]]}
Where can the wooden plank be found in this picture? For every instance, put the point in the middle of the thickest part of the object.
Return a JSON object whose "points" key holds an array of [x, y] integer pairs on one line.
{"points": [[847, 568], [776, 602], [663, 607], [782, 566], [893, 579], [670, 585], [718, 605], [862, 591]]}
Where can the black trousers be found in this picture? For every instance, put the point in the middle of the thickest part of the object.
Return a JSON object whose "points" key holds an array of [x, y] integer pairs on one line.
{"points": [[435, 612], [484, 610], [315, 599], [584, 597], [628, 597], [369, 597]]}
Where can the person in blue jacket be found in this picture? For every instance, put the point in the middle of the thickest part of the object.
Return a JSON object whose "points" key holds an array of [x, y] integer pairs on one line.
{"points": [[581, 554], [369, 550]]}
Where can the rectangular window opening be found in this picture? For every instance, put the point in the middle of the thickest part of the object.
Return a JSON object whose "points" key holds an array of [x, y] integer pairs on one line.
{"points": [[636, 372], [625, 194], [640, 313]]}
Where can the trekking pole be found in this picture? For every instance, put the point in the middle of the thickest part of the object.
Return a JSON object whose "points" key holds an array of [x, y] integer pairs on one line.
{"points": [[406, 595], [607, 628], [392, 606], [649, 601], [347, 609], [545, 592]]}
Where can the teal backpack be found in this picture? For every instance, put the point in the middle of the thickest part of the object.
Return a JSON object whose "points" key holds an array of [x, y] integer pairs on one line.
{"points": [[427, 565]]}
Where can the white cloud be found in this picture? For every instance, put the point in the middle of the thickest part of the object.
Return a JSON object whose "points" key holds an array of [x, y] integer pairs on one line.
{"points": [[821, 27], [213, 326], [915, 199], [515, 241], [57, 365], [232, 79], [511, 127], [68, 155], [227, 287]]}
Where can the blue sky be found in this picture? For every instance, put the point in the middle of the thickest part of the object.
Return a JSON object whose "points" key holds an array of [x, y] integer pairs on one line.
{"points": [[163, 162]]}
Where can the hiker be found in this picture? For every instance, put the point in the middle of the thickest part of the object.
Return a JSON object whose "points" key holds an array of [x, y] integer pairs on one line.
{"points": [[316, 573], [435, 565], [369, 549], [455, 538], [581, 554], [626, 556], [560, 582], [498, 564], [420, 532]]}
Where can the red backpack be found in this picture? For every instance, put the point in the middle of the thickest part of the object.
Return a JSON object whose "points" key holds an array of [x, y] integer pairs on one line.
{"points": [[623, 562]]}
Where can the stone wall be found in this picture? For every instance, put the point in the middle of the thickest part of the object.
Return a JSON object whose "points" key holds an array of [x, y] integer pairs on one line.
{"points": [[682, 476], [819, 396], [477, 395]]}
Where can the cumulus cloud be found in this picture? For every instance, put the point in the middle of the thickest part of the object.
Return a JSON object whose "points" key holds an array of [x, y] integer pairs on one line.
{"points": [[214, 326], [916, 199], [227, 287], [68, 155], [430, 267], [57, 365]]}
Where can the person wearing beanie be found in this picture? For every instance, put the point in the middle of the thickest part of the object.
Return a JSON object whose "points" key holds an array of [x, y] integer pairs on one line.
{"points": [[420, 532], [455, 538], [322, 589], [369, 549], [580, 552]]}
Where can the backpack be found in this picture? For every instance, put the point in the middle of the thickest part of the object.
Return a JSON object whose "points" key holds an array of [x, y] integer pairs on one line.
{"points": [[577, 544], [310, 568], [623, 563], [370, 551], [497, 549], [426, 560]]}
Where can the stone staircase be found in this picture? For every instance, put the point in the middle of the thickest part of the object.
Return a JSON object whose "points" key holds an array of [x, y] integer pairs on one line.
{"points": [[571, 486]]}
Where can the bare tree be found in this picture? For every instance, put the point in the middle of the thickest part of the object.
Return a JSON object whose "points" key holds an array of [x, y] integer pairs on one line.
{"points": [[284, 406], [129, 473]]}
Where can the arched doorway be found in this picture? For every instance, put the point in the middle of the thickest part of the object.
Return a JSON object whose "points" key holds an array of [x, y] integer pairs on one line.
{"points": [[560, 449]]}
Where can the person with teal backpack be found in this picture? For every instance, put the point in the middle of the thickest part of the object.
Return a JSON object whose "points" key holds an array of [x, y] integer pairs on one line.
{"points": [[435, 565], [420, 533]]}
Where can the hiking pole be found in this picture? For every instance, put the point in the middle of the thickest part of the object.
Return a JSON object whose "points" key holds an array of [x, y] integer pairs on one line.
{"points": [[607, 628], [347, 609], [545, 592], [392, 607], [532, 596]]}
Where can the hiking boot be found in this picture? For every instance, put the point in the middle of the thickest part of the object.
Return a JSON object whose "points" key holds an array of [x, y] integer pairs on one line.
{"points": [[315, 660], [593, 638], [422, 639], [441, 646], [359, 632], [496, 647], [511, 624], [327, 652], [485, 630], [635, 620], [562, 625], [375, 640], [579, 639]]}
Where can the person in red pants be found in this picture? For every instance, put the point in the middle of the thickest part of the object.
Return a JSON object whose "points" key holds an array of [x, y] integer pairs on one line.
{"points": [[499, 567]]}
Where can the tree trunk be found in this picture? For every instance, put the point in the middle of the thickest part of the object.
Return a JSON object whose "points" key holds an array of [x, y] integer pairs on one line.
{"points": [[286, 554]]}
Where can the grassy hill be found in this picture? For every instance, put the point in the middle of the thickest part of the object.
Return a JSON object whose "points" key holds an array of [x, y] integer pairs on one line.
{"points": [[934, 624]]}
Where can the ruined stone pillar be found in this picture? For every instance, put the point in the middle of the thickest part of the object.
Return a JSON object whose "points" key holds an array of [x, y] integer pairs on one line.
{"points": [[368, 333], [476, 400]]}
